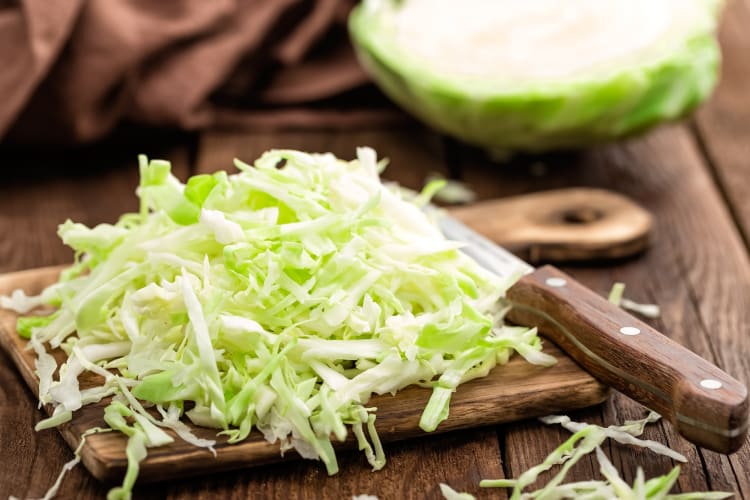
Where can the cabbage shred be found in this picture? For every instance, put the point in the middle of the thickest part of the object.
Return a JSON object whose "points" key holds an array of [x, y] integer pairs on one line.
{"points": [[278, 298], [589, 438]]}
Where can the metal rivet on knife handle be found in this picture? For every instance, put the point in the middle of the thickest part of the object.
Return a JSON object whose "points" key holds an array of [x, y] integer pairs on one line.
{"points": [[710, 383], [556, 282], [629, 330]]}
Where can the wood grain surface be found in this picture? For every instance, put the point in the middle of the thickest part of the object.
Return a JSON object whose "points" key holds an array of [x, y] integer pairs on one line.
{"points": [[694, 177]]}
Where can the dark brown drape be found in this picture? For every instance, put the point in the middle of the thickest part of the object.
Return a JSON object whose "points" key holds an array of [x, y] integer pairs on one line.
{"points": [[71, 70]]}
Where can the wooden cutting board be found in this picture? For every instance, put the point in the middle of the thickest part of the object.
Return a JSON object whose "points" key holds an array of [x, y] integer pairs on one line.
{"points": [[510, 392]]}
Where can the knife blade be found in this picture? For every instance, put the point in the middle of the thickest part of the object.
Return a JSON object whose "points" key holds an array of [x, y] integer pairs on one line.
{"points": [[706, 405]]}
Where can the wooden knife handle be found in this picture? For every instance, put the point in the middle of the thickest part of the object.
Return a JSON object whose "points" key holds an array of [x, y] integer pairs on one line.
{"points": [[706, 405]]}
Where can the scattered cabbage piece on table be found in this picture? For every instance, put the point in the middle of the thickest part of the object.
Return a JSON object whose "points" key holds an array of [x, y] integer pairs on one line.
{"points": [[616, 297], [276, 299], [588, 438], [450, 191]]}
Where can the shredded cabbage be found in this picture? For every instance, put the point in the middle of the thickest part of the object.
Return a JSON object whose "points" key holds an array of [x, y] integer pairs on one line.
{"points": [[52, 491], [615, 294], [451, 191], [279, 298], [588, 438], [616, 297]]}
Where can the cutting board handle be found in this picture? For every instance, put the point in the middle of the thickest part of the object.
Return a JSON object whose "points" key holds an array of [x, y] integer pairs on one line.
{"points": [[706, 405], [576, 224]]}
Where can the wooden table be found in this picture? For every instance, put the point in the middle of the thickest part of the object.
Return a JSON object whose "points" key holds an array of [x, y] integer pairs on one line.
{"points": [[693, 176]]}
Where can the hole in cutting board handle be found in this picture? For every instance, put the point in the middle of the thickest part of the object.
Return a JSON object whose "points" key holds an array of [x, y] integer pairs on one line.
{"points": [[564, 225], [584, 215]]}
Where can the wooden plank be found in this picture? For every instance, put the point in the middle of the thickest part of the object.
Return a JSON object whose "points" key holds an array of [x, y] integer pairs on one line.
{"points": [[458, 459], [36, 200], [697, 270], [31, 215], [723, 123], [723, 127]]}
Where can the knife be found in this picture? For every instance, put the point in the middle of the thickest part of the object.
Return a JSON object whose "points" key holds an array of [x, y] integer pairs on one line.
{"points": [[706, 405]]}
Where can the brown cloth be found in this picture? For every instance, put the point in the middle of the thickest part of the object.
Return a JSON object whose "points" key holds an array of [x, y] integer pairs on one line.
{"points": [[71, 70]]}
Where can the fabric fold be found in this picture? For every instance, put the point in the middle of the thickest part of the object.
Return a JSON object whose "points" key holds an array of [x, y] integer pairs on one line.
{"points": [[75, 69]]}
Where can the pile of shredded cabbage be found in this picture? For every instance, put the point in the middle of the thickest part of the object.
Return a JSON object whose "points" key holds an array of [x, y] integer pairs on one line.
{"points": [[279, 298]]}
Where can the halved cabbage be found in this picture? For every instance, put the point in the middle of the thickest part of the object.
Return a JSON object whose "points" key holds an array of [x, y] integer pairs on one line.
{"points": [[540, 74]]}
